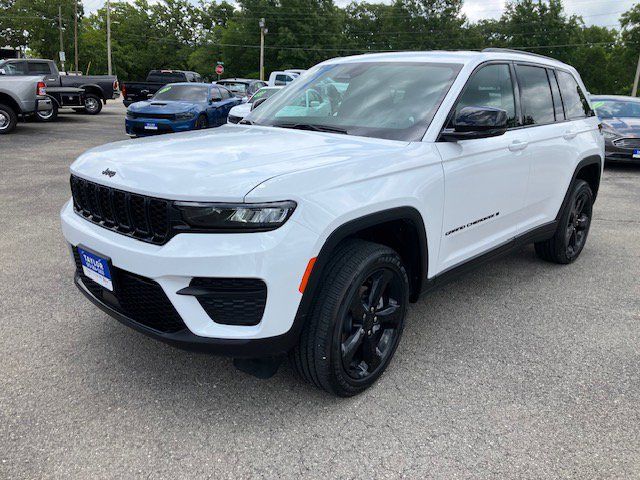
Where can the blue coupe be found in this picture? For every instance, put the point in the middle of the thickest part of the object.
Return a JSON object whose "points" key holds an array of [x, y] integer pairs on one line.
{"points": [[178, 107]]}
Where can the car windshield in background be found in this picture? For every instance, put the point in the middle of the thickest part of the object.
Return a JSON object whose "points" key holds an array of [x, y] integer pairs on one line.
{"points": [[165, 77], [185, 93], [237, 88], [264, 93], [391, 100], [616, 108]]}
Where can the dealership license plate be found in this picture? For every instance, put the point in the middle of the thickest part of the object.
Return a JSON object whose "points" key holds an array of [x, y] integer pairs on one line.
{"points": [[96, 268], [636, 153], [150, 126]]}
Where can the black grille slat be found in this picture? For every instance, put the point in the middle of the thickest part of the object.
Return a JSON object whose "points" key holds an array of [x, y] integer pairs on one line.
{"points": [[627, 142], [145, 218], [139, 298]]}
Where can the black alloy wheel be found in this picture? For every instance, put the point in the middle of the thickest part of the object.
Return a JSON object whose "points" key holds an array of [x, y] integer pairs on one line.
{"points": [[201, 122], [371, 325], [578, 225]]}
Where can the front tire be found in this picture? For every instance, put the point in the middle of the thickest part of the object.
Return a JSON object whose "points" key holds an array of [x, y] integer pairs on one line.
{"points": [[8, 119], [201, 122], [571, 235], [356, 321]]}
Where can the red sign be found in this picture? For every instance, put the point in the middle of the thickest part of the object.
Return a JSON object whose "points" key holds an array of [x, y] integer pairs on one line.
{"points": [[219, 69]]}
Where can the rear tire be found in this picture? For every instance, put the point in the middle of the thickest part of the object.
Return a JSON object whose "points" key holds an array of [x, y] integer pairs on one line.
{"points": [[356, 320], [92, 104], [572, 231], [8, 119], [48, 115]]}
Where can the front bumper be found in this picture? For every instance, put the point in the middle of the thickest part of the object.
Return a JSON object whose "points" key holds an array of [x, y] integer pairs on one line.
{"points": [[279, 258], [615, 153], [139, 127]]}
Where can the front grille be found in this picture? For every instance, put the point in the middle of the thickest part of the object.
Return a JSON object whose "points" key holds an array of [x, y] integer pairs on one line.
{"points": [[627, 142], [138, 216], [232, 301], [234, 119], [163, 116], [138, 298]]}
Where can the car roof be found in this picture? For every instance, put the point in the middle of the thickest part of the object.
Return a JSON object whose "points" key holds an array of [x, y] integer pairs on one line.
{"points": [[458, 57], [239, 80], [191, 84]]}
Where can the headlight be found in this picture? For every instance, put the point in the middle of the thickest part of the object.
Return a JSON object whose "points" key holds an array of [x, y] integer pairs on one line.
{"points": [[236, 217], [610, 135], [185, 116]]}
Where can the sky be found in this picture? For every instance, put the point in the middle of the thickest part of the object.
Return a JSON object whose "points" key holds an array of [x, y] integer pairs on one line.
{"points": [[594, 12]]}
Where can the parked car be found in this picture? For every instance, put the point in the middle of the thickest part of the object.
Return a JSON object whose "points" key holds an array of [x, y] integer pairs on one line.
{"points": [[179, 107], [620, 117], [309, 235], [156, 79], [282, 78], [242, 87], [21, 96], [238, 112], [297, 71], [86, 93]]}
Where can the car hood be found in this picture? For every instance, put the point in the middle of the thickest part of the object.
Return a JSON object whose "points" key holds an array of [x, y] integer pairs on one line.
{"points": [[157, 106], [222, 164], [627, 126]]}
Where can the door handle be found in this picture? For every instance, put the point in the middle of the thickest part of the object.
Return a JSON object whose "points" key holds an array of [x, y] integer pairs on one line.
{"points": [[570, 134], [518, 145]]}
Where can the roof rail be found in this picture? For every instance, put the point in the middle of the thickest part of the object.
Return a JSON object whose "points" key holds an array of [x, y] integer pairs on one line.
{"points": [[522, 52]]}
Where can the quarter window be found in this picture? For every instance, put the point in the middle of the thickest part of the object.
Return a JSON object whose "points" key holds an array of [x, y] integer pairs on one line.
{"points": [[575, 103], [537, 103], [557, 101], [491, 86]]}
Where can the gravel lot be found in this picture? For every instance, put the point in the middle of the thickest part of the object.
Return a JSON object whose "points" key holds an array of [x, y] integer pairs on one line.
{"points": [[522, 369]]}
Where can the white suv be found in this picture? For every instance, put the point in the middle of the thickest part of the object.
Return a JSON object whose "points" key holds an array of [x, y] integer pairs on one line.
{"points": [[308, 228]]}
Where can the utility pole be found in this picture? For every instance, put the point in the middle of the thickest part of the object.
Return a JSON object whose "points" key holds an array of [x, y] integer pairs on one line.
{"points": [[635, 81], [61, 43], [109, 37], [75, 33], [263, 31]]}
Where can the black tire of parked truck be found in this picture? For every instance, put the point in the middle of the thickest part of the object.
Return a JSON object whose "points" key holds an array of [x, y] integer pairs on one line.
{"points": [[8, 119], [571, 235], [92, 104], [356, 320], [48, 115]]}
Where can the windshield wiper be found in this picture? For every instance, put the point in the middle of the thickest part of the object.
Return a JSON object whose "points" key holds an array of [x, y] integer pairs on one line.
{"points": [[314, 128]]}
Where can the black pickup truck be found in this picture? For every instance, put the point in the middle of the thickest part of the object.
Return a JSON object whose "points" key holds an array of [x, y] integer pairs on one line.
{"points": [[82, 93], [156, 79]]}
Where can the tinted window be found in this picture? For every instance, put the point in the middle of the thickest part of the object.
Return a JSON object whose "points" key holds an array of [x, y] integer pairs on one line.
{"points": [[238, 88], [537, 103], [39, 67], [282, 79], [216, 93], [557, 101], [491, 86], [226, 94], [575, 103], [393, 100], [187, 93], [17, 68]]}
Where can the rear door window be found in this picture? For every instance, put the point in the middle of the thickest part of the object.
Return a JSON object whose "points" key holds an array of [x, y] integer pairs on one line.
{"points": [[535, 91], [575, 102], [39, 68]]}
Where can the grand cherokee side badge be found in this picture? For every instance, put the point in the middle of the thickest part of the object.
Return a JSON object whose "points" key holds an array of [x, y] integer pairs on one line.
{"points": [[108, 173]]}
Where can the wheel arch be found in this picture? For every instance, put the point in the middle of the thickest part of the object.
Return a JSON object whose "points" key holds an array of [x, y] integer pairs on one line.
{"points": [[95, 89], [8, 100], [588, 169], [400, 228]]}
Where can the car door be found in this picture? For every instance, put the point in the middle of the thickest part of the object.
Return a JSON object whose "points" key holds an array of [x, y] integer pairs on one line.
{"points": [[228, 101], [485, 178], [215, 109], [555, 147]]}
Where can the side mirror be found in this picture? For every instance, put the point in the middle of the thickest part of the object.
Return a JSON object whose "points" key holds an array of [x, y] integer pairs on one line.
{"points": [[2, 71], [257, 103], [215, 99], [477, 122]]}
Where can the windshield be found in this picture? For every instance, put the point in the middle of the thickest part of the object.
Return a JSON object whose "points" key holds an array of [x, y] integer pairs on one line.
{"points": [[184, 93], [392, 100], [616, 108], [264, 93]]}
